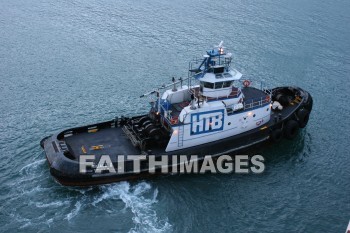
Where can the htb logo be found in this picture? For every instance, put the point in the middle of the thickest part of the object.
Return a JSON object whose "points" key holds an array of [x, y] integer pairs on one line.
{"points": [[206, 122]]}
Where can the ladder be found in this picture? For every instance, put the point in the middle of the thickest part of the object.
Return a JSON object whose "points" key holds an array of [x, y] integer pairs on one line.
{"points": [[180, 136]]}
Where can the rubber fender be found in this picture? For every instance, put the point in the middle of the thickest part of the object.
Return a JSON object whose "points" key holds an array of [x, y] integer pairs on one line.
{"points": [[291, 129], [303, 116], [277, 135]]}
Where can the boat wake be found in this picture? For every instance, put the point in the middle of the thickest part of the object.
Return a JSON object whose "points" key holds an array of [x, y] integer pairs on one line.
{"points": [[136, 202], [32, 165], [140, 199], [75, 211]]}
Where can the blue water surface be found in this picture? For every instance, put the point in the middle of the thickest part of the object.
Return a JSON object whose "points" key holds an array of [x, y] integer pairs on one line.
{"points": [[69, 63]]}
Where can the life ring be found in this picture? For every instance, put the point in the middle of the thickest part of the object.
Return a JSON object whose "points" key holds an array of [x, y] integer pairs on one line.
{"points": [[267, 99], [174, 120], [246, 83], [303, 117], [276, 135], [291, 129]]}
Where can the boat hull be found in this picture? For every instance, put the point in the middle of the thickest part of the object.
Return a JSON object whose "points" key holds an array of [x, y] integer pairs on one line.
{"points": [[62, 150]]}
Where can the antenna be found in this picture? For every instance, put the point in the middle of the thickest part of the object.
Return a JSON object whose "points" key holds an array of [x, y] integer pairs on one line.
{"points": [[220, 45]]}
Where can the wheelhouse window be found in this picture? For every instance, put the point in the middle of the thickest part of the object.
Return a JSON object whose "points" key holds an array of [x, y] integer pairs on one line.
{"points": [[219, 70], [207, 85], [218, 85], [227, 84]]}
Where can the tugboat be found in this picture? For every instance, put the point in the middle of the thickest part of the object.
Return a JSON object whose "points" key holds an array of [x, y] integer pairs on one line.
{"points": [[214, 111]]}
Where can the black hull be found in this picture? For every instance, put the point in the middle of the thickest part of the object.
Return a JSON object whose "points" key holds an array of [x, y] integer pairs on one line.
{"points": [[61, 150]]}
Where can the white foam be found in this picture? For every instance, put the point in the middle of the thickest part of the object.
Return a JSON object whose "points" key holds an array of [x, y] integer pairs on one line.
{"points": [[37, 189], [51, 204], [80, 190], [49, 221], [139, 199], [26, 225], [74, 212], [21, 219], [34, 164], [136, 199]]}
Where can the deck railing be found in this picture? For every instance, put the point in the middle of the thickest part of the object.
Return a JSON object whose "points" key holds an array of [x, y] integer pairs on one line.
{"points": [[168, 116], [253, 103], [219, 61], [256, 102]]}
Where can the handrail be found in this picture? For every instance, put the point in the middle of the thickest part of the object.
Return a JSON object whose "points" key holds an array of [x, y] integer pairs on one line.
{"points": [[168, 116], [169, 85], [167, 113], [223, 61], [253, 104]]}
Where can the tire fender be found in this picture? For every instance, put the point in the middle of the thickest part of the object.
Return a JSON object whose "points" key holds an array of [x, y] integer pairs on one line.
{"points": [[276, 135], [303, 117], [291, 129]]}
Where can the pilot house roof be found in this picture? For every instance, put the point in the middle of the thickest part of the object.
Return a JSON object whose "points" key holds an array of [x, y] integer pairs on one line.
{"points": [[231, 75]]}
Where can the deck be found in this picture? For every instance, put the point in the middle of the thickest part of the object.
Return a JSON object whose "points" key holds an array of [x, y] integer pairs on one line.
{"points": [[110, 141]]}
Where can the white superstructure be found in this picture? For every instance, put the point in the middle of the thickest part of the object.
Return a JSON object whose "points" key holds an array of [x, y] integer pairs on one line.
{"points": [[215, 104]]}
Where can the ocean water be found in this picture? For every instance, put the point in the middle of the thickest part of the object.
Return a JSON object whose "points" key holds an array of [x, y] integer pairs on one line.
{"points": [[69, 63]]}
